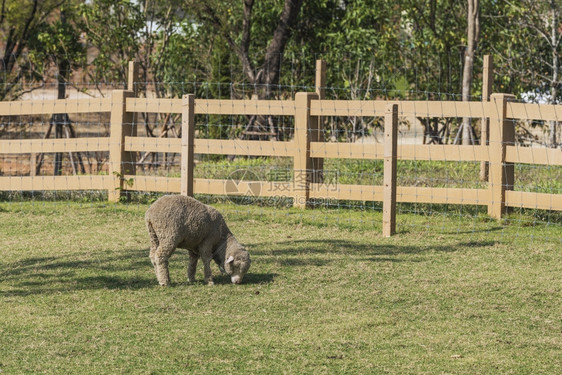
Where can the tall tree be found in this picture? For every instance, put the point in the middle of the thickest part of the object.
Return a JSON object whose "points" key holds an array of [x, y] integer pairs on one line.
{"points": [[57, 44], [19, 21], [262, 72], [113, 30], [432, 60], [359, 40], [541, 19]]}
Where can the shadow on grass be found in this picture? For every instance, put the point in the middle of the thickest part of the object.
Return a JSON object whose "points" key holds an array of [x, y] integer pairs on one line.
{"points": [[492, 229], [48, 275], [250, 278], [317, 252], [129, 271]]}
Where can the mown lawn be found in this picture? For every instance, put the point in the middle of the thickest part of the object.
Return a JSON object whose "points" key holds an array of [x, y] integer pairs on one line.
{"points": [[326, 294]]}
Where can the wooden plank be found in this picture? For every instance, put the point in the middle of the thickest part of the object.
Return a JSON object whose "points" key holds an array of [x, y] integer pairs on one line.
{"points": [[242, 188], [245, 107], [405, 152], [302, 162], [533, 155], [389, 184], [347, 108], [320, 81], [346, 150], [443, 152], [318, 136], [524, 111], [215, 106], [212, 186], [42, 183], [242, 147], [153, 183], [418, 108], [501, 174], [25, 146], [152, 144], [133, 78], [121, 162], [283, 149], [403, 194], [534, 111], [442, 195], [187, 145], [280, 189], [212, 146], [47, 107], [539, 201], [154, 105], [346, 192]]}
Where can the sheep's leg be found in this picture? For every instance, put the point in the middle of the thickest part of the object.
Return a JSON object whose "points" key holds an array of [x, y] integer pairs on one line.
{"points": [[153, 256], [206, 253], [207, 272], [163, 253], [192, 267], [153, 244]]}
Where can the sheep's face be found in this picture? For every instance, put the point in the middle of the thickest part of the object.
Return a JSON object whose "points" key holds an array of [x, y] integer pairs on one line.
{"points": [[237, 265]]}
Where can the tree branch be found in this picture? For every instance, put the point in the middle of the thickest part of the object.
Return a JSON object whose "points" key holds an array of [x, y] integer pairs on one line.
{"points": [[281, 35], [209, 13]]}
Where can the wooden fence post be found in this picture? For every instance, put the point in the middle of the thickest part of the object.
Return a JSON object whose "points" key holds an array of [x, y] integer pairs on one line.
{"points": [[306, 127], [187, 144], [133, 77], [390, 156], [501, 174], [121, 163], [487, 82], [318, 136], [320, 83]]}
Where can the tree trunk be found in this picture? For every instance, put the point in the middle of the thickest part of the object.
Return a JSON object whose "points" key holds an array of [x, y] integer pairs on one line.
{"points": [[555, 66], [59, 119], [473, 29], [264, 77]]}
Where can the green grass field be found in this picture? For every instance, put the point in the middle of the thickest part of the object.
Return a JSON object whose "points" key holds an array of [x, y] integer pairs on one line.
{"points": [[326, 294]]}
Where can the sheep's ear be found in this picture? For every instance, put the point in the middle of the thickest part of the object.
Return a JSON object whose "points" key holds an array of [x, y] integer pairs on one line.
{"points": [[230, 259]]}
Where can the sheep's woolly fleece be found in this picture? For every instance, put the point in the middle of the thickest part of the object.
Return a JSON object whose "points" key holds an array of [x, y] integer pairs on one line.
{"points": [[178, 221]]}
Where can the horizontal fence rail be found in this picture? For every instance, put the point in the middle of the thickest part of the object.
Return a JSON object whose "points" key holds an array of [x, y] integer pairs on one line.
{"points": [[26, 146], [306, 148], [215, 106], [47, 107]]}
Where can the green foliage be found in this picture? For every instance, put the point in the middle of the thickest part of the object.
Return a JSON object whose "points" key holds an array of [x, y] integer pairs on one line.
{"points": [[114, 28], [128, 182], [181, 60], [20, 22], [373, 48], [58, 42]]}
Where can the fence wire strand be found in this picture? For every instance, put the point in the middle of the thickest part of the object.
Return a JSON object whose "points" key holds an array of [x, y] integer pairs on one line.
{"points": [[250, 151]]}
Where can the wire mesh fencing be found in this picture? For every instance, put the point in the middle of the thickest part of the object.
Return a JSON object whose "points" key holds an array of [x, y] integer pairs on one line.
{"points": [[308, 149]]}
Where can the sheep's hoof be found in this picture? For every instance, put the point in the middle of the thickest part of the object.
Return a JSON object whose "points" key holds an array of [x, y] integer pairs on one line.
{"points": [[167, 283]]}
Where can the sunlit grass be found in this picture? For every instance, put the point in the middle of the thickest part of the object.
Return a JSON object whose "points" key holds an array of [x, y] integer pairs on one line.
{"points": [[326, 294]]}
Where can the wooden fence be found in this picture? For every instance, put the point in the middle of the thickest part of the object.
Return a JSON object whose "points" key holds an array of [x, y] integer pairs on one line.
{"points": [[307, 148]]}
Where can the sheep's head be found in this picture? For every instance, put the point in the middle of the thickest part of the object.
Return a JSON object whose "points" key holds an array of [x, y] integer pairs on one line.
{"points": [[237, 264]]}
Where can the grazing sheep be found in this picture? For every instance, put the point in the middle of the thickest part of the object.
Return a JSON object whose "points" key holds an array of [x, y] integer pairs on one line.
{"points": [[179, 221]]}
